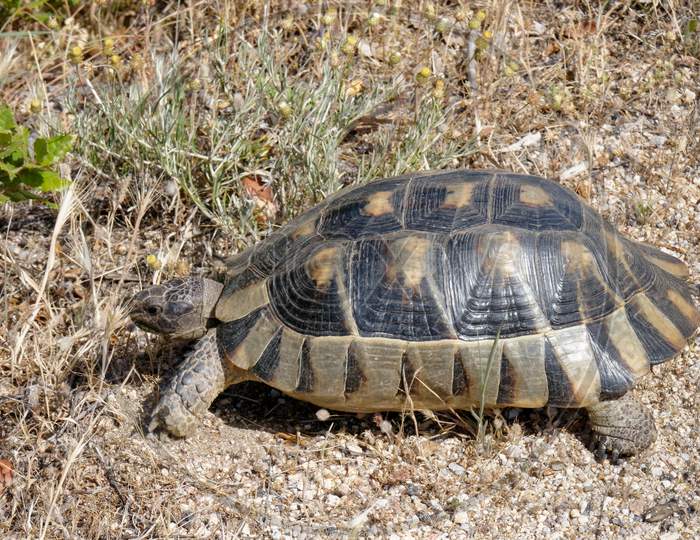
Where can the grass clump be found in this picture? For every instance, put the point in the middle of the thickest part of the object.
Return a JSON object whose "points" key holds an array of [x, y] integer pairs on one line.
{"points": [[253, 107]]}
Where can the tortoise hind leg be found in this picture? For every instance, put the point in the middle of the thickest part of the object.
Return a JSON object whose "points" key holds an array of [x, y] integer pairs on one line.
{"points": [[199, 379], [621, 427]]}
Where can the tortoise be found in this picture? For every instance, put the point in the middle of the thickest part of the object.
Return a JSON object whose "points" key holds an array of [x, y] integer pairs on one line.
{"points": [[433, 291]]}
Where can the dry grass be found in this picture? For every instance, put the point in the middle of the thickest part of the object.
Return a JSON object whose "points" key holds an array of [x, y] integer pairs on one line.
{"points": [[202, 126]]}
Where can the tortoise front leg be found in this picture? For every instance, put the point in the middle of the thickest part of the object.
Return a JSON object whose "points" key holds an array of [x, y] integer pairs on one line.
{"points": [[621, 427], [199, 379]]}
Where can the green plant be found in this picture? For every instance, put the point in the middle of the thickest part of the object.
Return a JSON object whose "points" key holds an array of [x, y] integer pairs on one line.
{"points": [[41, 11], [25, 167]]}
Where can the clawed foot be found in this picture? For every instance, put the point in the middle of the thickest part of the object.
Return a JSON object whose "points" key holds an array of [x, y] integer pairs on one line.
{"points": [[172, 416], [621, 427], [603, 450], [197, 382]]}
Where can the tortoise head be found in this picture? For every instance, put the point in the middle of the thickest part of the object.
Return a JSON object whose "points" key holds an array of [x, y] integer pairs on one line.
{"points": [[181, 307]]}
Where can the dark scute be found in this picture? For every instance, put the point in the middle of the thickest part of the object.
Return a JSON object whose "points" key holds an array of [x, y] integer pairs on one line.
{"points": [[277, 250], [304, 307], [624, 282], [460, 381], [484, 299], [560, 392], [354, 377], [559, 289], [659, 297], [424, 203], [231, 334], [306, 374], [565, 212], [507, 382], [241, 280], [657, 348], [383, 306], [569, 294], [345, 217], [269, 360], [615, 377], [656, 253]]}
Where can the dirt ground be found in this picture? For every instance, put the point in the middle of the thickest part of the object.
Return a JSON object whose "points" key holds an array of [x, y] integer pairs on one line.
{"points": [[602, 97]]}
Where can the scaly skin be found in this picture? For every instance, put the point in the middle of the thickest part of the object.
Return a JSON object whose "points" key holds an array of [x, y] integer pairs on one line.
{"points": [[621, 427], [199, 379]]}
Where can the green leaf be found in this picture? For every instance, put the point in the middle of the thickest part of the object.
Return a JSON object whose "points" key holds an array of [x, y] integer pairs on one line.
{"points": [[21, 195], [48, 151], [29, 176], [7, 119], [51, 181], [14, 148], [9, 169], [39, 177]]}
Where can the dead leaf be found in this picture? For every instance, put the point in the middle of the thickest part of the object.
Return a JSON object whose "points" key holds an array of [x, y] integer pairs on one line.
{"points": [[6, 474], [580, 29], [584, 189], [262, 195], [551, 48]]}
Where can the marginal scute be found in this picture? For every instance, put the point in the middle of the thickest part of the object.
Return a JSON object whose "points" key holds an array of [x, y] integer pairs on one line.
{"points": [[460, 380], [266, 366], [685, 308], [379, 362], [572, 350], [305, 380], [627, 344], [661, 341], [523, 381], [236, 304], [666, 262], [244, 341], [354, 376], [432, 364], [481, 361], [559, 390], [328, 357], [231, 334], [660, 322], [286, 375], [615, 376]]}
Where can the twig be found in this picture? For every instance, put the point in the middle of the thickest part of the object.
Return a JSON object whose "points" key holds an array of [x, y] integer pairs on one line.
{"points": [[471, 74], [109, 473]]}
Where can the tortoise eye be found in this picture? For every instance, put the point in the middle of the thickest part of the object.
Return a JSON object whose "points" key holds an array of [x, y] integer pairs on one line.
{"points": [[153, 311]]}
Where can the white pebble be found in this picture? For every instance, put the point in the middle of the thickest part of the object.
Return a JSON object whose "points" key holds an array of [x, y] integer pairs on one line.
{"points": [[323, 415], [460, 517]]}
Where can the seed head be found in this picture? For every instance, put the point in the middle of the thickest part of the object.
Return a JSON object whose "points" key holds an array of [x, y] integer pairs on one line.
{"points": [[423, 75]]}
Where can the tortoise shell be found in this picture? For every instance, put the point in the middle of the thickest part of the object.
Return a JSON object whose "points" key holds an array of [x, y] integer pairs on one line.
{"points": [[433, 290]]}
